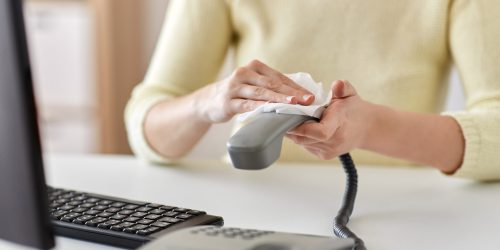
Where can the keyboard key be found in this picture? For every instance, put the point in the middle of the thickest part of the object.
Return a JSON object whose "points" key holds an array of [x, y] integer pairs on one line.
{"points": [[184, 216], [104, 202], [66, 207], [118, 217], [87, 205], [59, 213], [168, 208], [152, 216], [145, 221], [152, 229], [157, 211], [80, 198], [108, 224], [134, 228], [83, 219], [92, 212], [79, 210], [196, 212], [153, 205], [62, 201], [100, 207], [105, 214], [74, 203], [143, 232], [70, 217], [117, 204], [95, 221], [112, 210], [148, 231], [131, 206], [180, 209], [171, 214], [126, 212], [68, 195], [161, 224], [92, 200], [132, 219], [170, 220], [143, 209], [139, 214], [121, 226]]}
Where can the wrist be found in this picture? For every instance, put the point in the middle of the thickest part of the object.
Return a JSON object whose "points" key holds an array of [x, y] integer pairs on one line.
{"points": [[373, 125], [200, 102]]}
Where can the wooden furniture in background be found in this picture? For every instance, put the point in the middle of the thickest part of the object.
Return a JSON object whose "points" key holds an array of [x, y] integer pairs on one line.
{"points": [[119, 66]]}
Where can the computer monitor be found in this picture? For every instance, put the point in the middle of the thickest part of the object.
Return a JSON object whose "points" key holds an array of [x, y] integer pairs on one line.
{"points": [[24, 213]]}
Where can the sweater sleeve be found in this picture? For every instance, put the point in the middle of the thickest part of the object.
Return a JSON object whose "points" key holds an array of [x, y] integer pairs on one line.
{"points": [[475, 47], [190, 51]]}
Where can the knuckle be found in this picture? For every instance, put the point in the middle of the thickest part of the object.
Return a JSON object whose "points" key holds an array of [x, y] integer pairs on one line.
{"points": [[284, 79], [229, 87], [272, 84], [240, 72], [259, 93], [323, 135], [255, 63], [246, 105]]}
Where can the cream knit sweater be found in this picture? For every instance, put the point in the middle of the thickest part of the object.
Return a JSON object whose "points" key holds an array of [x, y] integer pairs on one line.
{"points": [[395, 52]]}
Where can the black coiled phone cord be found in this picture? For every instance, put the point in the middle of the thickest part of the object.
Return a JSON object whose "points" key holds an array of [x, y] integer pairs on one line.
{"points": [[340, 228]]}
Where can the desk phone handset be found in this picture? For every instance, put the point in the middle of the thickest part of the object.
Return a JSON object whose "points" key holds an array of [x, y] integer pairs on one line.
{"points": [[256, 146]]}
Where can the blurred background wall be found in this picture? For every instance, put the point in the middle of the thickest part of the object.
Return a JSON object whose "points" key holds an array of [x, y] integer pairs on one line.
{"points": [[88, 54]]}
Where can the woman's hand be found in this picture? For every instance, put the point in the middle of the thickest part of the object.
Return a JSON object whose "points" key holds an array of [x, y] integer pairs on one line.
{"points": [[344, 125], [246, 89]]}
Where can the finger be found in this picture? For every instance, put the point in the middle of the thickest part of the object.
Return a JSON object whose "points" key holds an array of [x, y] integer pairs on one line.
{"points": [[278, 87], [262, 94], [306, 97], [343, 89], [301, 140], [315, 131], [320, 131], [238, 106]]}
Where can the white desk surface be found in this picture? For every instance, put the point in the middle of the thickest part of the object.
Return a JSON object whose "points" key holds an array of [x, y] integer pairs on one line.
{"points": [[396, 208]]}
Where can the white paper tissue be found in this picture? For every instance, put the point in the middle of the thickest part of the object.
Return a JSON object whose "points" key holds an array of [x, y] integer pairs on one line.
{"points": [[322, 99]]}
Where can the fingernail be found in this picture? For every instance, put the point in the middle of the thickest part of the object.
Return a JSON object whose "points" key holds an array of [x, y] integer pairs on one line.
{"points": [[290, 99], [306, 97]]}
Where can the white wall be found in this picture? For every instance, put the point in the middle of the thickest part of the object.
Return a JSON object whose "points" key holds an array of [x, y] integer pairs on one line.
{"points": [[455, 100], [61, 49]]}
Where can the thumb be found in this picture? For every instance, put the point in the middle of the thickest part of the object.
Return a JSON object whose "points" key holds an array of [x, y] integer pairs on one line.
{"points": [[343, 89]]}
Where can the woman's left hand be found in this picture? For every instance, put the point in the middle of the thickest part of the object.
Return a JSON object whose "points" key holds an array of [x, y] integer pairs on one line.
{"points": [[345, 124]]}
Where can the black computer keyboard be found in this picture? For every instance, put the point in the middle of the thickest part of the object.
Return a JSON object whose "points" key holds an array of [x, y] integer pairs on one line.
{"points": [[116, 221]]}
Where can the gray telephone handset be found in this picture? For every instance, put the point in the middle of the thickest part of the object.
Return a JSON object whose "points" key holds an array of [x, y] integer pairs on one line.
{"points": [[257, 145]]}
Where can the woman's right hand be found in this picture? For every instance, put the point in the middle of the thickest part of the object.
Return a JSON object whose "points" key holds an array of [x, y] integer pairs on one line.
{"points": [[247, 88]]}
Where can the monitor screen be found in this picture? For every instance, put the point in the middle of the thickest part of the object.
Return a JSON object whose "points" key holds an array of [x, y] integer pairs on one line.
{"points": [[23, 210]]}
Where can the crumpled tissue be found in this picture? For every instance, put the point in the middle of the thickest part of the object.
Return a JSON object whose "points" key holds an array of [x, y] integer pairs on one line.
{"points": [[321, 101]]}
